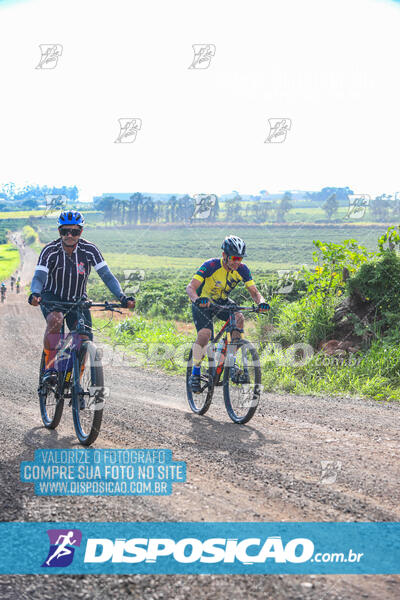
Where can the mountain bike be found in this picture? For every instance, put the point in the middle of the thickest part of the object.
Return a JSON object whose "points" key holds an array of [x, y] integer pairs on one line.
{"points": [[79, 376], [234, 365]]}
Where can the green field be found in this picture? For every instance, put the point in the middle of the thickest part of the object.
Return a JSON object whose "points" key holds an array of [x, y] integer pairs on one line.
{"points": [[25, 214], [21, 214], [177, 264], [9, 260], [269, 246]]}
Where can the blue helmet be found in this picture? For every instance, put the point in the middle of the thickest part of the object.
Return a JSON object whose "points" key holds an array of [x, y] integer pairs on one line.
{"points": [[71, 217]]}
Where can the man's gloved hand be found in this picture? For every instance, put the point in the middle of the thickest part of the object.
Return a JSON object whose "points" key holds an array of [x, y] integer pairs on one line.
{"points": [[263, 307], [127, 302], [34, 299], [202, 302]]}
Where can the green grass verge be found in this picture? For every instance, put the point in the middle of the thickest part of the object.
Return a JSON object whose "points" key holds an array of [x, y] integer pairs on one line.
{"points": [[376, 374], [146, 342], [156, 344], [9, 260]]}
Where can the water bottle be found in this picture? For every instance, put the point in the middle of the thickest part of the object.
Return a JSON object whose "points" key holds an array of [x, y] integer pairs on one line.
{"points": [[218, 351], [220, 356]]}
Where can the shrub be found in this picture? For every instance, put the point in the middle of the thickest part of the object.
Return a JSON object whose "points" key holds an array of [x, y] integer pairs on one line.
{"points": [[379, 281], [29, 235]]}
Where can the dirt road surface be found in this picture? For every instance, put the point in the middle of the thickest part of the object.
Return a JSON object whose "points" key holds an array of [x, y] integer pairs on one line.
{"points": [[268, 470]]}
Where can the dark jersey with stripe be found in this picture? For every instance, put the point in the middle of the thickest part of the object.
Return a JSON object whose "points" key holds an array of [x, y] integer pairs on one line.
{"points": [[67, 275]]}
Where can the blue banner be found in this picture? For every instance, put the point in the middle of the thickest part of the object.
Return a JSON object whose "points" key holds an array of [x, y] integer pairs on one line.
{"points": [[224, 548]]}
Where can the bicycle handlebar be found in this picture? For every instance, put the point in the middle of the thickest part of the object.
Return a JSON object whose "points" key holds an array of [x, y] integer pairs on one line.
{"points": [[81, 303], [235, 307]]}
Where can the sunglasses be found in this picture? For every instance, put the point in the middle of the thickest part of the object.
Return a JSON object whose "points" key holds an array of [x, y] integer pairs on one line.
{"points": [[74, 232], [237, 258]]}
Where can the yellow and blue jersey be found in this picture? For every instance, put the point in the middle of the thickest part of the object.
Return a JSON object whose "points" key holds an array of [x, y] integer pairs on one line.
{"points": [[217, 282]]}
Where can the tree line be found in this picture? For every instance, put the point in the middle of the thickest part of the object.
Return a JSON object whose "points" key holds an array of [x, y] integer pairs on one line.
{"points": [[31, 197], [140, 208]]}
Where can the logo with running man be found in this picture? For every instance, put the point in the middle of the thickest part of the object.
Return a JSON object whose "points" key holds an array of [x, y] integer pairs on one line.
{"points": [[55, 202], [128, 129], [358, 204], [204, 205], [278, 130], [203, 54], [62, 542], [50, 53]]}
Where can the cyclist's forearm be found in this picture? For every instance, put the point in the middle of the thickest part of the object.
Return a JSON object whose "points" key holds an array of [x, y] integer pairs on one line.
{"points": [[38, 281], [255, 294], [111, 281], [191, 292]]}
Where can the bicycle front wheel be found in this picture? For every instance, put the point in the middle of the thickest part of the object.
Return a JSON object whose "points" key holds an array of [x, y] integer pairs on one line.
{"points": [[50, 400], [242, 381], [200, 403], [87, 393]]}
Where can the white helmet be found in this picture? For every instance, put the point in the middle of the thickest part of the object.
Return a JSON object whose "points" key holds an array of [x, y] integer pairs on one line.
{"points": [[234, 246]]}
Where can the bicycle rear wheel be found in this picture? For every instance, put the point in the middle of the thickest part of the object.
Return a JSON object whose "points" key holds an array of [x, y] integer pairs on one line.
{"points": [[200, 403], [87, 393], [50, 400], [242, 398]]}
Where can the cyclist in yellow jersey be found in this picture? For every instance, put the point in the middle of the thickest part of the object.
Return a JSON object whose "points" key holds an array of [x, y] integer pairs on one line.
{"points": [[214, 280]]}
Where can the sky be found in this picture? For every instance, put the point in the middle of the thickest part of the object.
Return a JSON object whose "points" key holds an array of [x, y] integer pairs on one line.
{"points": [[329, 68]]}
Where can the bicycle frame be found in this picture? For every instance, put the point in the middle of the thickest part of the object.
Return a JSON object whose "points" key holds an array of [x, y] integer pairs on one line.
{"points": [[234, 365], [70, 339], [230, 324], [227, 328]]}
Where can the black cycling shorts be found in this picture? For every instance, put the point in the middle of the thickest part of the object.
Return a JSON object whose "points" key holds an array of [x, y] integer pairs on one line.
{"points": [[71, 318], [204, 317]]}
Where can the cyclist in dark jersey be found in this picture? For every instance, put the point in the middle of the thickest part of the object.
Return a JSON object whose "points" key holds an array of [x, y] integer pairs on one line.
{"points": [[61, 274], [214, 280]]}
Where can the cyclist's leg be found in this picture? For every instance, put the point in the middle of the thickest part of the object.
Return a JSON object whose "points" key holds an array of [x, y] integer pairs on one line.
{"points": [[52, 337], [72, 322], [238, 330], [200, 345], [238, 375], [202, 318], [54, 320]]}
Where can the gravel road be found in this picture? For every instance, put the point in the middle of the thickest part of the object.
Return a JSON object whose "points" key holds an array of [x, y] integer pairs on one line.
{"points": [[268, 470]]}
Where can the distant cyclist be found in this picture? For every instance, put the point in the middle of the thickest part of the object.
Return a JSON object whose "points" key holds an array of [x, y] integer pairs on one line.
{"points": [[12, 281], [214, 280], [18, 285], [61, 275], [3, 290]]}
